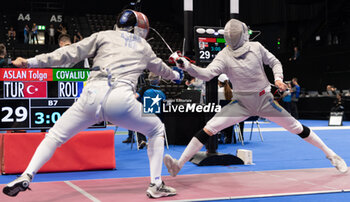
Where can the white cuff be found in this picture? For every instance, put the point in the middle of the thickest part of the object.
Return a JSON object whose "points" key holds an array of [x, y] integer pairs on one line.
{"points": [[278, 79], [32, 62]]}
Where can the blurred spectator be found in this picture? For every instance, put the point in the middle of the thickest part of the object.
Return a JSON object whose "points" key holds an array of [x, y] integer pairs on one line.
{"points": [[224, 89], [338, 104], [130, 138], [225, 95], [51, 35], [65, 40], [77, 37], [35, 33], [287, 98], [3, 53], [61, 29], [197, 84], [152, 89], [331, 90], [11, 34], [26, 31], [296, 54], [295, 97]]}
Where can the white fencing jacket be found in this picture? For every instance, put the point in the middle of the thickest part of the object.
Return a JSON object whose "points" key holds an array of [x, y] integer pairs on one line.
{"points": [[123, 54], [246, 72]]}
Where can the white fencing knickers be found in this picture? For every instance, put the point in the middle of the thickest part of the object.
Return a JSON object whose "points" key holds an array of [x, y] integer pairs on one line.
{"points": [[244, 105], [120, 108]]}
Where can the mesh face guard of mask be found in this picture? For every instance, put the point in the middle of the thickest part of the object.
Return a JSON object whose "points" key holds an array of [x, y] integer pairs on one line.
{"points": [[236, 33]]}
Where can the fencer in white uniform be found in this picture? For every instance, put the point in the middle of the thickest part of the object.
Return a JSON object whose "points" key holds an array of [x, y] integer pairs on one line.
{"points": [[120, 57], [242, 61]]}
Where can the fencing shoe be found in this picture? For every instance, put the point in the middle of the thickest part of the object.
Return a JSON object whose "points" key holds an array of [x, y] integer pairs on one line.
{"points": [[129, 140], [17, 185], [142, 144], [172, 165], [338, 163], [156, 192]]}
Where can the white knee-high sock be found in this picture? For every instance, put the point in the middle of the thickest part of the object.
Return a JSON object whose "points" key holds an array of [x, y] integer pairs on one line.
{"points": [[192, 148], [317, 142], [43, 153], [155, 152]]}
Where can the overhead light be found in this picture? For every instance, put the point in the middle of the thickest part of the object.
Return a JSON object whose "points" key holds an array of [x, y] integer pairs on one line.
{"points": [[200, 30], [210, 31]]}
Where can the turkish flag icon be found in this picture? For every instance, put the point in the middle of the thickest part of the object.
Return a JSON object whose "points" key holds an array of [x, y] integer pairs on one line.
{"points": [[36, 89]]}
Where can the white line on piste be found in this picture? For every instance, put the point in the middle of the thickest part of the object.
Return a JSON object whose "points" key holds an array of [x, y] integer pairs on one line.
{"points": [[313, 128], [89, 196], [260, 196]]}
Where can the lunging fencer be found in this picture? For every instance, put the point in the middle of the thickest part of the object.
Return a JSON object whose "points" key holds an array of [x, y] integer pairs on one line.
{"points": [[242, 61], [120, 56]]}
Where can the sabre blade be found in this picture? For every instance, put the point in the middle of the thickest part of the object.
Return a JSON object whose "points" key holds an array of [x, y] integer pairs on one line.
{"points": [[167, 45]]}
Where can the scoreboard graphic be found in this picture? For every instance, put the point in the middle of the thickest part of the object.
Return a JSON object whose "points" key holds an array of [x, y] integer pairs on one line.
{"points": [[208, 43], [209, 47], [37, 98]]}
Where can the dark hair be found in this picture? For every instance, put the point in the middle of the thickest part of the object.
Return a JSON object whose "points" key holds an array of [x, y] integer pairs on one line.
{"points": [[64, 37], [2, 49], [227, 90]]}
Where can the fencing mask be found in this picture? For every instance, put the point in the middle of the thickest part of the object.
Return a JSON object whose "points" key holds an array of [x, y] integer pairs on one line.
{"points": [[131, 20], [236, 35]]}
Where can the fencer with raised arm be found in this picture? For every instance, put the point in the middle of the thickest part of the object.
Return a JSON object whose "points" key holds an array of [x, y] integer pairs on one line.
{"points": [[242, 61]]}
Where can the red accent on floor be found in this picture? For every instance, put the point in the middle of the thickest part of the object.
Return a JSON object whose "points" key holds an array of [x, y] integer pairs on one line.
{"points": [[200, 186], [47, 191], [87, 150]]}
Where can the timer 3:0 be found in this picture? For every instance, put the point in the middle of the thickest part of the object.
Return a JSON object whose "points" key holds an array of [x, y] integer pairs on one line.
{"points": [[46, 117], [41, 118]]}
